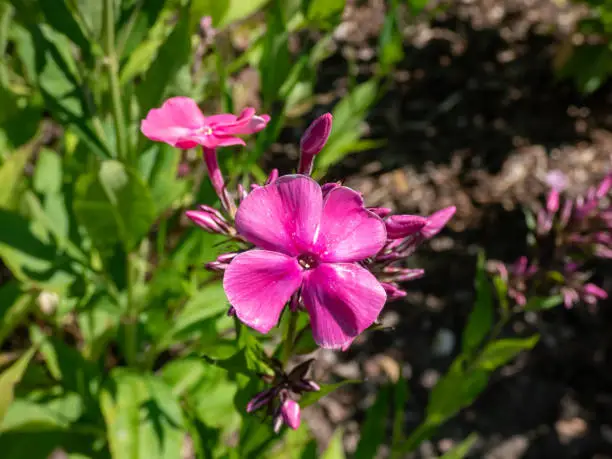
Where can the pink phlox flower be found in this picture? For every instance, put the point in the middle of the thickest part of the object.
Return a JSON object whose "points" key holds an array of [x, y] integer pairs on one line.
{"points": [[310, 243], [180, 123]]}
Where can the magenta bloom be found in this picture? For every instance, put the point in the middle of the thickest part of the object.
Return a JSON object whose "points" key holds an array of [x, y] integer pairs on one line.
{"points": [[180, 123], [311, 242]]}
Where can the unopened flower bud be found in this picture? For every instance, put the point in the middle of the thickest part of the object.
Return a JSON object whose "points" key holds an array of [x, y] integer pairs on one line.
{"points": [[272, 177], [382, 212], [313, 141], [401, 226], [552, 202], [207, 221], [290, 411], [259, 400], [437, 221], [604, 186]]}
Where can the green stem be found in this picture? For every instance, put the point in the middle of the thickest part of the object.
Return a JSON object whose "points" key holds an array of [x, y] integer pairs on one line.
{"points": [[113, 76], [131, 326], [289, 337]]}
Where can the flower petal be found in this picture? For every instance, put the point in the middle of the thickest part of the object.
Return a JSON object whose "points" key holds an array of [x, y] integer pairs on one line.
{"points": [[173, 122], [282, 216], [348, 231], [342, 299], [258, 284]]}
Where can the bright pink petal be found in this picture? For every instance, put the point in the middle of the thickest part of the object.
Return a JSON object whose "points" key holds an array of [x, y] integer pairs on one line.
{"points": [[258, 284], [342, 299], [348, 231], [282, 216], [221, 120], [174, 122], [214, 141]]}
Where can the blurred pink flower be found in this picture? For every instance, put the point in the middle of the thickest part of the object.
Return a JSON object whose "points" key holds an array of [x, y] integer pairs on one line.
{"points": [[310, 243], [180, 123]]}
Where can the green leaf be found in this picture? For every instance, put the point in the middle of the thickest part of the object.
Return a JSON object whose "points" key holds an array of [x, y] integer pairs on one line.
{"points": [[400, 395], [462, 449], [276, 61], [10, 377], [374, 428], [323, 10], [454, 391], [335, 448], [225, 12], [172, 55], [48, 172], [43, 410], [305, 343], [114, 205], [206, 388], [14, 308], [348, 115], [390, 41], [310, 398], [143, 418], [200, 310], [11, 173], [500, 352], [539, 303], [98, 321], [480, 320], [31, 259]]}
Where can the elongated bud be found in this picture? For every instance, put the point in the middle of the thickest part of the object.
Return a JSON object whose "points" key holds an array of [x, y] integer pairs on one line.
{"points": [[290, 412], [207, 221], [393, 291], [409, 274], [592, 293], [401, 226], [604, 186], [259, 400], [566, 213], [272, 177], [382, 212], [313, 141], [437, 221], [552, 202]]}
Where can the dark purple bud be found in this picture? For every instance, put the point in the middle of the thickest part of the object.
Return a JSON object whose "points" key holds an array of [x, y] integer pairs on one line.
{"points": [[437, 221], [231, 312], [290, 411], [260, 400], [401, 226], [299, 372], [382, 212], [552, 202]]}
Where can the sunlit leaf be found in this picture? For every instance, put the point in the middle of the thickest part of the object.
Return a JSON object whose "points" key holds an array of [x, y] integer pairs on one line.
{"points": [[10, 377], [114, 205], [500, 352], [480, 319]]}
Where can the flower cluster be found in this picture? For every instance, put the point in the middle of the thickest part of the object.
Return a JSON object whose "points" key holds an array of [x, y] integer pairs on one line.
{"points": [[311, 247], [568, 234]]}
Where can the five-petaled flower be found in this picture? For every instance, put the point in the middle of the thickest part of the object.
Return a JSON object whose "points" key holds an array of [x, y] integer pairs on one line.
{"points": [[180, 123], [309, 240]]}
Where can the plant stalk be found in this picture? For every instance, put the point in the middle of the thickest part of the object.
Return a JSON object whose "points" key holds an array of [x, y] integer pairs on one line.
{"points": [[289, 337], [112, 64]]}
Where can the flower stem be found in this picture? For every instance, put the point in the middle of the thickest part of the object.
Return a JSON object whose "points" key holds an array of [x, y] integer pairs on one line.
{"points": [[289, 337], [131, 326], [216, 178], [113, 78]]}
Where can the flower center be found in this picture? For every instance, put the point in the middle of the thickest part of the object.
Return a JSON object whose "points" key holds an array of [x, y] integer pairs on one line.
{"points": [[308, 261], [206, 130]]}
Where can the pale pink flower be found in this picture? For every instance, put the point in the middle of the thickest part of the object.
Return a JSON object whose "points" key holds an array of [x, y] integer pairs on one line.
{"points": [[310, 243], [180, 123]]}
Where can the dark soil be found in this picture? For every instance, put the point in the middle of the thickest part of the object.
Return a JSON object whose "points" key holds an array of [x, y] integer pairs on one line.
{"points": [[475, 118]]}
